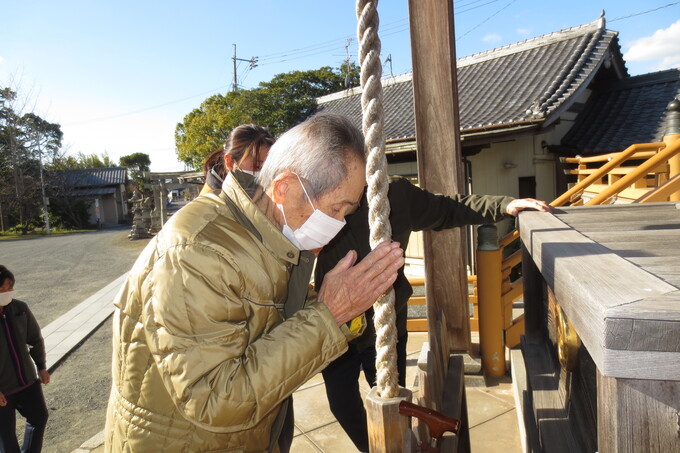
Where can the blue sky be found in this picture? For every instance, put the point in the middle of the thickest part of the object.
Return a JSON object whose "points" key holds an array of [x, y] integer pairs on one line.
{"points": [[118, 76]]}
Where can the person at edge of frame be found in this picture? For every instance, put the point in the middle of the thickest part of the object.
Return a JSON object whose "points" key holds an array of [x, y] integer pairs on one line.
{"points": [[21, 346]]}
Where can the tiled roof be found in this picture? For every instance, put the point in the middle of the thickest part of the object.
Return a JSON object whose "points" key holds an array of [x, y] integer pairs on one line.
{"points": [[92, 177], [630, 111], [527, 81]]}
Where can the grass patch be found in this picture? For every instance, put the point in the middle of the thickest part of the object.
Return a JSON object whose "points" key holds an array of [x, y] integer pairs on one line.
{"points": [[8, 235]]}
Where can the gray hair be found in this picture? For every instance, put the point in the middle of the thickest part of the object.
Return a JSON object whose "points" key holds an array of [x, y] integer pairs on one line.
{"points": [[317, 150]]}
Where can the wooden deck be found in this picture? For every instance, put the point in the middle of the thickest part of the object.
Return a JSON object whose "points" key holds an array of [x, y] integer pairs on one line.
{"points": [[615, 272]]}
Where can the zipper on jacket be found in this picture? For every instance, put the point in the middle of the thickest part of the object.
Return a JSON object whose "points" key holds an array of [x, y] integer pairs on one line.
{"points": [[13, 352]]}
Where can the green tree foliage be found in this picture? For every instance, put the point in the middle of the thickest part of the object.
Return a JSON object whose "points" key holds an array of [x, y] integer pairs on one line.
{"points": [[278, 104], [26, 139], [136, 162], [206, 128], [81, 161]]}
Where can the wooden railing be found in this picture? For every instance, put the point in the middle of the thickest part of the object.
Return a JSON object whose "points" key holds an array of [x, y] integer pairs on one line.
{"points": [[419, 323], [648, 172], [618, 179]]}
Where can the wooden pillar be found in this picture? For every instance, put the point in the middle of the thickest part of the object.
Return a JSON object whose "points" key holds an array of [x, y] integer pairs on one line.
{"points": [[637, 415], [491, 322], [435, 92], [164, 201]]}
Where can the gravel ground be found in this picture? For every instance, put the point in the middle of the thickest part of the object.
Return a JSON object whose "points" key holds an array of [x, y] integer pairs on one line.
{"points": [[54, 274]]}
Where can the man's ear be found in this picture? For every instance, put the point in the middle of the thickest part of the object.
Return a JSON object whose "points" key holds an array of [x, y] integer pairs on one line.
{"points": [[280, 187], [229, 161]]}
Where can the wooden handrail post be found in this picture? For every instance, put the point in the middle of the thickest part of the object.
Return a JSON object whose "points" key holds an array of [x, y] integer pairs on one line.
{"points": [[489, 281], [674, 168], [673, 135]]}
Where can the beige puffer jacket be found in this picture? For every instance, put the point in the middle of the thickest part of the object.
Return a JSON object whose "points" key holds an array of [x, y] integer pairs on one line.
{"points": [[202, 359]]}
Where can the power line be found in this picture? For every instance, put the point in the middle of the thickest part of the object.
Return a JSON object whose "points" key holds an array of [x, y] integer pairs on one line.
{"points": [[643, 12], [390, 29], [474, 7], [134, 112], [463, 4], [332, 43], [485, 20]]}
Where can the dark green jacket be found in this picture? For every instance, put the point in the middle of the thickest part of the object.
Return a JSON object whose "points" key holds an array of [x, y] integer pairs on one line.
{"points": [[412, 209], [21, 345]]}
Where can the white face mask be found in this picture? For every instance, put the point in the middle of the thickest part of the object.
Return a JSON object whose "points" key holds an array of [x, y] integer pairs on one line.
{"points": [[6, 298], [316, 231], [250, 172]]}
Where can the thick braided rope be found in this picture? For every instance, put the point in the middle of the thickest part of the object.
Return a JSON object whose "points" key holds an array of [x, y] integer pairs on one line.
{"points": [[376, 175]]}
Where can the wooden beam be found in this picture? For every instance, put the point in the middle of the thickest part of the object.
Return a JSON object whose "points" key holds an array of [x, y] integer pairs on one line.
{"points": [[439, 159]]}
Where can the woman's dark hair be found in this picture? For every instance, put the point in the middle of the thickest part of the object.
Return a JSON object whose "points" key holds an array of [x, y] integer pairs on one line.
{"points": [[243, 141], [216, 160], [5, 274]]}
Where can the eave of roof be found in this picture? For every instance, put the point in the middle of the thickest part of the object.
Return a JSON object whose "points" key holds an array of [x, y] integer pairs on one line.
{"points": [[629, 111], [91, 177], [535, 80]]}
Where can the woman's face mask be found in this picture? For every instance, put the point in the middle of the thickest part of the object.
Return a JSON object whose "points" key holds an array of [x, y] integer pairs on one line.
{"points": [[316, 231], [6, 298], [250, 172]]}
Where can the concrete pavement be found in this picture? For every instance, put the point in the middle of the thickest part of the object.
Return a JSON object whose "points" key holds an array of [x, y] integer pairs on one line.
{"points": [[491, 412]]}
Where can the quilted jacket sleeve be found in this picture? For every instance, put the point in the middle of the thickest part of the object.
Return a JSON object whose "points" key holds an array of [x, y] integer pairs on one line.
{"points": [[224, 355]]}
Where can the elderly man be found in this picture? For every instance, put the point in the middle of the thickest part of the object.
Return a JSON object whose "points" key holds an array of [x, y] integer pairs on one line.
{"points": [[203, 359]]}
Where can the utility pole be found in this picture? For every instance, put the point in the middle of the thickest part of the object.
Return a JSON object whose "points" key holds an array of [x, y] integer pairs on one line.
{"points": [[252, 62], [348, 78], [42, 187], [389, 60]]}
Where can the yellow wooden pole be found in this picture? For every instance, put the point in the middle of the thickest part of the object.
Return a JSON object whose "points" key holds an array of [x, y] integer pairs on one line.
{"points": [[673, 164], [489, 280], [672, 136]]}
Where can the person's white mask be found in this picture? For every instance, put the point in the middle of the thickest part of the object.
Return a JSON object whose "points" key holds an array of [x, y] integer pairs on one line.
{"points": [[6, 298], [250, 172], [316, 231]]}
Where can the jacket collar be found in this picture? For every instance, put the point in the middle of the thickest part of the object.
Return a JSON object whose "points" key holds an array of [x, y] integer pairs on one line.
{"points": [[271, 235]]}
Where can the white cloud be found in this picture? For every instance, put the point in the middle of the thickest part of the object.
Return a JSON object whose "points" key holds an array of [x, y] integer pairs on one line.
{"points": [[492, 38], [663, 46], [523, 31], [2, 60]]}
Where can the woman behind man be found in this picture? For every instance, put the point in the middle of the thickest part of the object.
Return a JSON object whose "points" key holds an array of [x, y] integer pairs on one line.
{"points": [[245, 149], [21, 345]]}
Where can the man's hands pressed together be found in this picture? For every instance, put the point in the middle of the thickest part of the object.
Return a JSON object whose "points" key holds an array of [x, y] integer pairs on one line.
{"points": [[348, 290]]}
